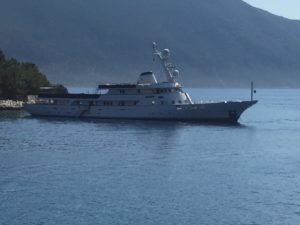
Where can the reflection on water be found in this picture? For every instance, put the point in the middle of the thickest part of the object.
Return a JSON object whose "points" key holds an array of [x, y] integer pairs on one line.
{"points": [[12, 114]]}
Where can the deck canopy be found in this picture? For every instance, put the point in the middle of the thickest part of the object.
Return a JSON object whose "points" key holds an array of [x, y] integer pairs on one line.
{"points": [[112, 86]]}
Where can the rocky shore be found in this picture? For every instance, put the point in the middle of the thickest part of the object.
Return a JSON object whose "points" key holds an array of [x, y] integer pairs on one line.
{"points": [[11, 105]]}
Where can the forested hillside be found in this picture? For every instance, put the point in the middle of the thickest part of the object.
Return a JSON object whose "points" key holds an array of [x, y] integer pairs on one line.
{"points": [[19, 79]]}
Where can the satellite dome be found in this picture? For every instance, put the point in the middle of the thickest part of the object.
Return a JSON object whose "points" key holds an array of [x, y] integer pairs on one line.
{"points": [[176, 73], [166, 53]]}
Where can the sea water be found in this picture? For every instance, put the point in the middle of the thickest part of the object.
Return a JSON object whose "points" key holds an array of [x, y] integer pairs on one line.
{"points": [[70, 171]]}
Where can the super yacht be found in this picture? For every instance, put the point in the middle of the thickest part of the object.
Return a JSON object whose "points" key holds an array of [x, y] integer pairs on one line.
{"points": [[146, 99]]}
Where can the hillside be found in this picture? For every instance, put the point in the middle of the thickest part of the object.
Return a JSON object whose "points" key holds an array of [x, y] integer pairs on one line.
{"points": [[20, 79], [214, 42]]}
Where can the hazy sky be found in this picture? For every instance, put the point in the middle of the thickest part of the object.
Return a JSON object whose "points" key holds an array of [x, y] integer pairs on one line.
{"points": [[287, 8]]}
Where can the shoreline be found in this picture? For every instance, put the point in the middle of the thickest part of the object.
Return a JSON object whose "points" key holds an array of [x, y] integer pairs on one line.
{"points": [[11, 105]]}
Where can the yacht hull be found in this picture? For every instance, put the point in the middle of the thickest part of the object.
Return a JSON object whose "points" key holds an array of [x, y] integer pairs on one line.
{"points": [[205, 112]]}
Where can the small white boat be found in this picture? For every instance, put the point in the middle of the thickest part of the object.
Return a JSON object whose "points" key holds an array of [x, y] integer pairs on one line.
{"points": [[146, 99]]}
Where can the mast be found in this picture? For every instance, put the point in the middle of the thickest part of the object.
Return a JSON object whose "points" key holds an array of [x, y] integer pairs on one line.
{"points": [[171, 72]]}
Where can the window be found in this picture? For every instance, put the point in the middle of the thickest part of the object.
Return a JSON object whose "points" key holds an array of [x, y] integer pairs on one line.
{"points": [[107, 103], [179, 101], [162, 102], [128, 103], [173, 102]]}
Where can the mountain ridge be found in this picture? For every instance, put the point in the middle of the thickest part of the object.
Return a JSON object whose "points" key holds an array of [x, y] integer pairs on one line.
{"points": [[215, 42]]}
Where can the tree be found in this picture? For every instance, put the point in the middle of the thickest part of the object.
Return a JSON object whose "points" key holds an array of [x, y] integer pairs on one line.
{"points": [[19, 79], [60, 89], [2, 57]]}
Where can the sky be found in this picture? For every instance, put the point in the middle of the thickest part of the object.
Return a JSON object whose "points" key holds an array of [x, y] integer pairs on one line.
{"points": [[286, 8]]}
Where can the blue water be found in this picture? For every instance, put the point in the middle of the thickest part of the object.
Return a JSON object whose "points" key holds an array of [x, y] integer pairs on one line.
{"points": [[58, 171]]}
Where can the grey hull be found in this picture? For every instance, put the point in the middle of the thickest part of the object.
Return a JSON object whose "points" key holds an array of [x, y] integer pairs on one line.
{"points": [[203, 112]]}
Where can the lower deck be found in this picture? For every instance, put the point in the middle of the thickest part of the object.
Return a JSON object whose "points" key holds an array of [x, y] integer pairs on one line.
{"points": [[204, 111]]}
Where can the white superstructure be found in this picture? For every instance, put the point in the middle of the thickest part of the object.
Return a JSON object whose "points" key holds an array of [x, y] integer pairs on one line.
{"points": [[147, 99]]}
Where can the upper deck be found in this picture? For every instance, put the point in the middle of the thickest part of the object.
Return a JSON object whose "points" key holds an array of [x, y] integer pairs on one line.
{"points": [[69, 96], [139, 86]]}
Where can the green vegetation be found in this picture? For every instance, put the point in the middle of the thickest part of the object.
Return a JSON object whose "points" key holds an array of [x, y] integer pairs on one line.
{"points": [[19, 79]]}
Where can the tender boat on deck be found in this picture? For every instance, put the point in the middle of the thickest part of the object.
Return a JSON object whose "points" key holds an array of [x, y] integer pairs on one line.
{"points": [[146, 99]]}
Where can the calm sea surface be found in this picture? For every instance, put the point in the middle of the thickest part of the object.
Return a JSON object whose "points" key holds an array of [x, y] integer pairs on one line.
{"points": [[64, 171]]}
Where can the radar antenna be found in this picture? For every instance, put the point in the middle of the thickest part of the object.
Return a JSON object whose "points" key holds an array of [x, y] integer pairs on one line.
{"points": [[164, 56]]}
